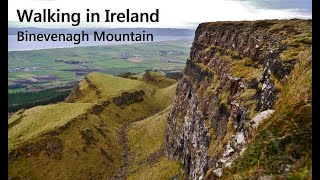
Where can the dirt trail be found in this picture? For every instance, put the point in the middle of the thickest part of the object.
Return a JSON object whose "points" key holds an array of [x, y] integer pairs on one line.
{"points": [[125, 154]]}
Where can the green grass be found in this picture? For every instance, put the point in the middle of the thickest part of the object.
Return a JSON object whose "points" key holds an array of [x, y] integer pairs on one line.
{"points": [[161, 169], [154, 100], [99, 160], [240, 68], [42, 119], [147, 136], [111, 85], [146, 142]]}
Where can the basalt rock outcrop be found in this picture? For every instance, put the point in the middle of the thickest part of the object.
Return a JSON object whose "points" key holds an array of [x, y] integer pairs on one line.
{"points": [[231, 81]]}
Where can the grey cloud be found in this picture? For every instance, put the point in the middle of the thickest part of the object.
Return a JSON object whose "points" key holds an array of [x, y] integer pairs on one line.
{"points": [[304, 6]]}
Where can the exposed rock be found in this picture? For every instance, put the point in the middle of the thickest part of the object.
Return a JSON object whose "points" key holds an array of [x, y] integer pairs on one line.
{"points": [[218, 172], [128, 98], [54, 148], [106, 103], [266, 178], [97, 109], [77, 92], [260, 117], [240, 138], [211, 94], [88, 136]]}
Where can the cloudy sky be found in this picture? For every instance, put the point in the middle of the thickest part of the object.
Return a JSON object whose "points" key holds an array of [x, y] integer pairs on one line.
{"points": [[173, 14]]}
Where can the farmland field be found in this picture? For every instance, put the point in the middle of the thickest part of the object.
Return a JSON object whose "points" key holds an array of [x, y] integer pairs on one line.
{"points": [[41, 69], [39, 75]]}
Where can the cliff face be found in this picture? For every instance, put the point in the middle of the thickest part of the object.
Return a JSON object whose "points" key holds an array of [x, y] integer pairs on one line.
{"points": [[233, 77]]}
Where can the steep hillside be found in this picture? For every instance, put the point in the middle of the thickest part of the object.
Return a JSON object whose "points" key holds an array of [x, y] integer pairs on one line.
{"points": [[146, 143], [86, 136], [243, 105]]}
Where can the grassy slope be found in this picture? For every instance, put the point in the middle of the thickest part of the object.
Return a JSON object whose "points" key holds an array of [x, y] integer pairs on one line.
{"points": [[84, 153], [37, 121], [108, 86], [89, 145], [146, 142]]}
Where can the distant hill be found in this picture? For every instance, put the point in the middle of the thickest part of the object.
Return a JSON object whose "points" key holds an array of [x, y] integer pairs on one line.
{"points": [[155, 31]]}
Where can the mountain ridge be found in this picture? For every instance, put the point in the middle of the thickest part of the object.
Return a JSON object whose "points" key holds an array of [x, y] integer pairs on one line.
{"points": [[85, 137]]}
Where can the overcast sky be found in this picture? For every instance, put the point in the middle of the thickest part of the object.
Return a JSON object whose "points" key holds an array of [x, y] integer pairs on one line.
{"points": [[173, 13]]}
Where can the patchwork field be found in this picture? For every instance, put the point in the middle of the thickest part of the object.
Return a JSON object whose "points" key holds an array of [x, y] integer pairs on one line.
{"points": [[42, 69]]}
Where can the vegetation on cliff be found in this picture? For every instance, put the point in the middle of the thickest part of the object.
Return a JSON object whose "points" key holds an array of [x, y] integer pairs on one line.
{"points": [[283, 144], [241, 76]]}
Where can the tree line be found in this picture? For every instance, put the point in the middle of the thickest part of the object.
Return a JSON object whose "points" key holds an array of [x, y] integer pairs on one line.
{"points": [[24, 100]]}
